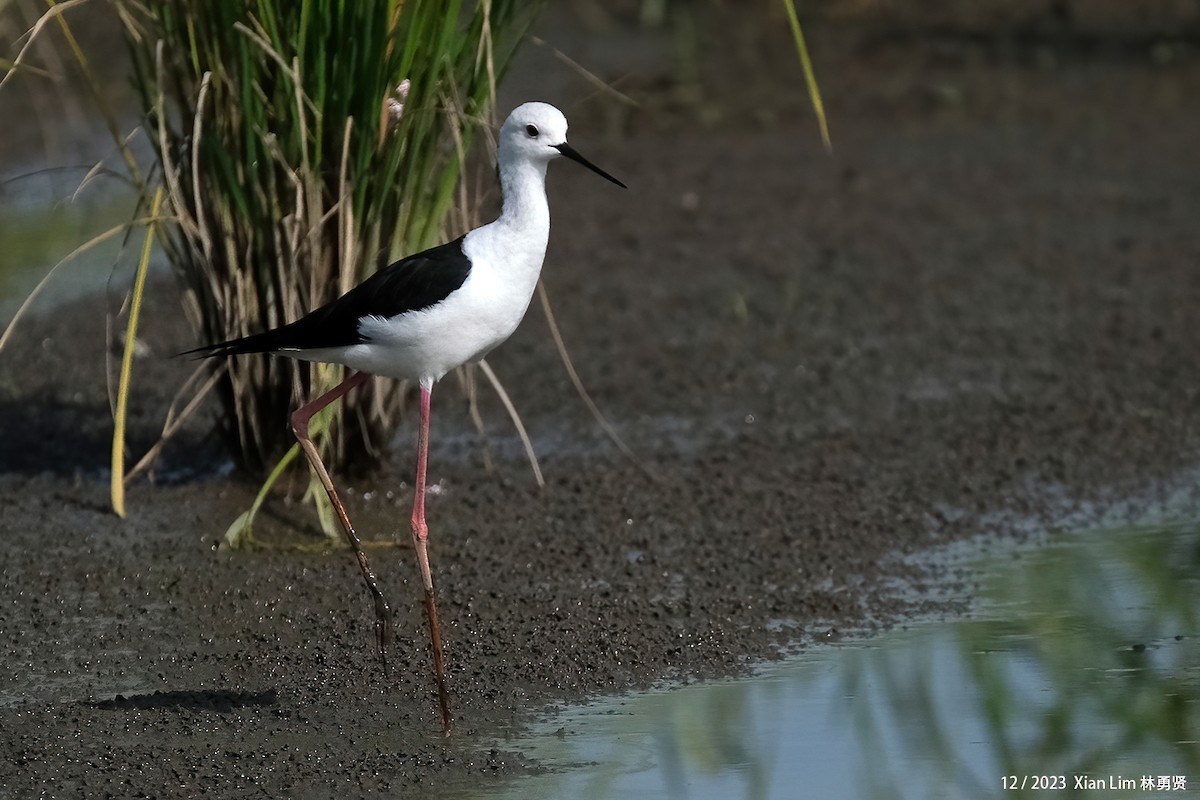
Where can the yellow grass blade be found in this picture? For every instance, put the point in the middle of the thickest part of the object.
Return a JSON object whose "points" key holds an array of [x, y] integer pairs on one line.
{"points": [[139, 288], [810, 78]]}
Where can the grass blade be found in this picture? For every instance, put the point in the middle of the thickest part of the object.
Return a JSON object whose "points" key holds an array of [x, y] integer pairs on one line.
{"points": [[135, 308], [577, 382], [41, 284], [486, 369], [241, 531], [810, 77]]}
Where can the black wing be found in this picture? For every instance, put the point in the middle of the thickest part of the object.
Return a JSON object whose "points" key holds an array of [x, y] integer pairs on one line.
{"points": [[410, 284]]}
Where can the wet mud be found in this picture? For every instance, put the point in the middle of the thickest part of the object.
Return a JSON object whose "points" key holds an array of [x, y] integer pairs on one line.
{"points": [[984, 297]]}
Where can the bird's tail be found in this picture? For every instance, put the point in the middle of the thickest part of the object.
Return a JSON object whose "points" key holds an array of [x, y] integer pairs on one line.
{"points": [[266, 342], [325, 327]]}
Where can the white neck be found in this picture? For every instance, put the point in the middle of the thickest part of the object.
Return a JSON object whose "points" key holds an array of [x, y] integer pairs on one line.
{"points": [[511, 249], [523, 186]]}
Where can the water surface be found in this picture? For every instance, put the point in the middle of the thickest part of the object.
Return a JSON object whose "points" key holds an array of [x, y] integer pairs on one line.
{"points": [[45, 218], [1078, 671]]}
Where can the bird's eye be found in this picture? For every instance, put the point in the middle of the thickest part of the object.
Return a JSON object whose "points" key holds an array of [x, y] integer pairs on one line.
{"points": [[532, 131]]}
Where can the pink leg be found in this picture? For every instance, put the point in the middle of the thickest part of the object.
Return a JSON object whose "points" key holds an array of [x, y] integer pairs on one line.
{"points": [[420, 533], [300, 419]]}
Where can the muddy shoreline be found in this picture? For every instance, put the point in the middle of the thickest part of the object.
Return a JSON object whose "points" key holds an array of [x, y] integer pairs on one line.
{"points": [[988, 290]]}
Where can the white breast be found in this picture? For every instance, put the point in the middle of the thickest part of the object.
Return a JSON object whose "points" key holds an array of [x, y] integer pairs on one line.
{"points": [[467, 325]]}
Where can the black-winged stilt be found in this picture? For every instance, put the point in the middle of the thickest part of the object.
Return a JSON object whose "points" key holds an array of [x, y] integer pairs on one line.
{"points": [[427, 314]]}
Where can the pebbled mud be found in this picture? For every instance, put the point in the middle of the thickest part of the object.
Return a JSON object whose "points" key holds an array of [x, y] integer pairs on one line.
{"points": [[987, 292]]}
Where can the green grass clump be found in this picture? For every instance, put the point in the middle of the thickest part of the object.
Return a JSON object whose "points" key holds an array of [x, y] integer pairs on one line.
{"points": [[290, 175]]}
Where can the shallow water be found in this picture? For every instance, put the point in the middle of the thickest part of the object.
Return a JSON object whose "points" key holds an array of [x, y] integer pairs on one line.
{"points": [[45, 220], [1076, 673]]}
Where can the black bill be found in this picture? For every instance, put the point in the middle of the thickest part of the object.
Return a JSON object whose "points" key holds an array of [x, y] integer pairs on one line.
{"points": [[573, 154]]}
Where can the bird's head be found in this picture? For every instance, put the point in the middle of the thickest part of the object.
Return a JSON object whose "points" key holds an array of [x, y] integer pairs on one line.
{"points": [[537, 132]]}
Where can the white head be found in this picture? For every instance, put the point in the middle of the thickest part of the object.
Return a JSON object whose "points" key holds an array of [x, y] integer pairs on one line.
{"points": [[537, 132]]}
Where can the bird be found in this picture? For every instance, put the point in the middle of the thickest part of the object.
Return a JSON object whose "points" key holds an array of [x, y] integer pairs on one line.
{"points": [[424, 316]]}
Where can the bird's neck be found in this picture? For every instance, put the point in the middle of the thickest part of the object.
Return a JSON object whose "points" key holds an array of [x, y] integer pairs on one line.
{"points": [[523, 185], [513, 246]]}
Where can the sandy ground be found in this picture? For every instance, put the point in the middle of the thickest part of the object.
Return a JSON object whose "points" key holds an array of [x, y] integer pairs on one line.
{"points": [[986, 296]]}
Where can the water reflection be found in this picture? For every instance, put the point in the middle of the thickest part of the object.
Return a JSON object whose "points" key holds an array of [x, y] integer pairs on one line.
{"points": [[1080, 664]]}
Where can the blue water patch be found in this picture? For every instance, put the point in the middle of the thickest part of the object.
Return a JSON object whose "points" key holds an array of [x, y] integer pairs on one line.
{"points": [[1077, 674]]}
